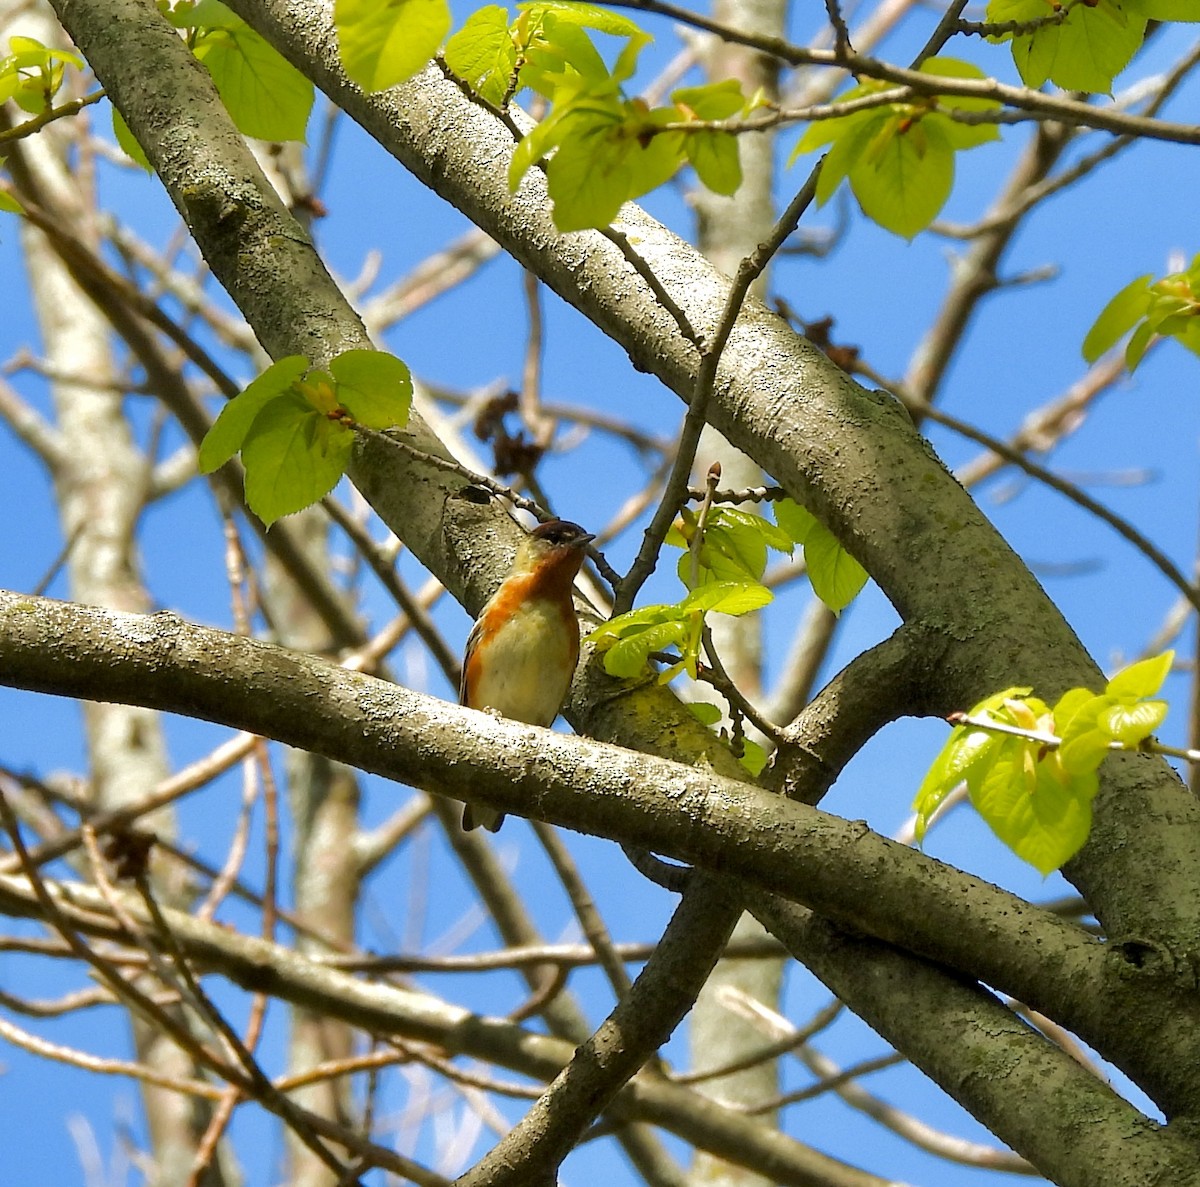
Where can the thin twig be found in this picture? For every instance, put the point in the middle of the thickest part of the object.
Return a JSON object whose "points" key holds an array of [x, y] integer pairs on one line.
{"points": [[1121, 526], [590, 919], [675, 493]]}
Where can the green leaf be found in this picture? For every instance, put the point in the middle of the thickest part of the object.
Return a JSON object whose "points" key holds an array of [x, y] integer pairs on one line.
{"points": [[822, 132], [128, 142], [374, 387], [836, 576], [10, 79], [1117, 318], [728, 597], [1042, 815], [995, 705], [1073, 701], [293, 456], [626, 64], [631, 622], [1048, 827], [603, 160], [996, 787], [1167, 10], [561, 52], [772, 535], [482, 52], [9, 204], [960, 135], [1085, 52], [966, 750], [704, 712], [1084, 745], [1132, 724], [795, 520], [590, 16], [229, 431], [383, 42], [534, 145], [712, 101], [754, 757], [734, 547], [1142, 679], [629, 656], [847, 150], [588, 179], [1139, 343], [266, 96], [715, 157], [905, 176], [33, 73]]}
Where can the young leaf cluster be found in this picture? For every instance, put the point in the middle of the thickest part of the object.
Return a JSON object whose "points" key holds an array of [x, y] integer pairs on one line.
{"points": [[603, 148], [266, 96], [31, 74], [899, 157], [1081, 45], [1169, 307], [1031, 771], [722, 565], [630, 639], [294, 425]]}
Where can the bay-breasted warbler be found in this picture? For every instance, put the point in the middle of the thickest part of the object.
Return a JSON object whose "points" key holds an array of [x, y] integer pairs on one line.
{"points": [[522, 651]]}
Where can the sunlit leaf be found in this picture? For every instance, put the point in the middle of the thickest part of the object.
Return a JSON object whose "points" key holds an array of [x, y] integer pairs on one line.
{"points": [[1167, 10], [1084, 52], [266, 96], [905, 183], [705, 712], [374, 387], [961, 135], [715, 157], [712, 100], [225, 437], [965, 750], [728, 597], [383, 42], [1117, 318], [1084, 745], [1132, 724], [629, 656], [1142, 679], [482, 52], [795, 520], [293, 456], [754, 757], [128, 142], [590, 16], [836, 576]]}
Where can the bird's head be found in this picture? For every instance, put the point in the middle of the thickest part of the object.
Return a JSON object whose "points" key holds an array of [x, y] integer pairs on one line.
{"points": [[559, 545]]}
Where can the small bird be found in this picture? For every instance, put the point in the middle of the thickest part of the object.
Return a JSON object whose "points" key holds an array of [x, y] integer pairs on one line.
{"points": [[522, 651]]}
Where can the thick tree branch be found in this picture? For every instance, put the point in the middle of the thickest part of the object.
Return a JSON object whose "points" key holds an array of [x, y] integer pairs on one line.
{"points": [[837, 867], [532, 1152], [1080, 1134]]}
